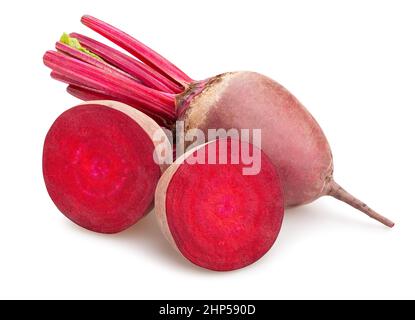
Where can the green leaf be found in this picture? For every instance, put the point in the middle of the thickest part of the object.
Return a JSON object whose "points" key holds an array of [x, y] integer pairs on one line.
{"points": [[74, 43]]}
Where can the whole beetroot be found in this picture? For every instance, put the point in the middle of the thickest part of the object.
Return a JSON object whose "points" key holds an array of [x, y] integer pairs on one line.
{"points": [[291, 137]]}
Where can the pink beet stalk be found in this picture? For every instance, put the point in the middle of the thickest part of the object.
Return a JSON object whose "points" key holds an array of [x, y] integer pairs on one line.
{"points": [[61, 47], [137, 49], [135, 68], [89, 94], [86, 94], [68, 80], [112, 84]]}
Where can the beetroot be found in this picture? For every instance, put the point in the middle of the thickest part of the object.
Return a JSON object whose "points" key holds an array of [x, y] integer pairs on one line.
{"points": [[98, 165], [291, 137], [216, 216]]}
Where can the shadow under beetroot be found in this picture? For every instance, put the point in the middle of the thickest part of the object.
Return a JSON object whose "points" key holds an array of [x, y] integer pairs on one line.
{"points": [[302, 220], [145, 233], [299, 222]]}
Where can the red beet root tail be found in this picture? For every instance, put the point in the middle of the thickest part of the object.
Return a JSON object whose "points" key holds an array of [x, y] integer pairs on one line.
{"points": [[113, 83], [137, 49], [135, 68], [339, 193]]}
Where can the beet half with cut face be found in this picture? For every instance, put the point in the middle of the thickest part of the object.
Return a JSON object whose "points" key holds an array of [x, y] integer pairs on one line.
{"points": [[213, 214], [98, 165]]}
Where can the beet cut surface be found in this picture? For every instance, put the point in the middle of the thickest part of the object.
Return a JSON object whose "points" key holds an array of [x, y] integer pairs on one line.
{"points": [[98, 168], [216, 217]]}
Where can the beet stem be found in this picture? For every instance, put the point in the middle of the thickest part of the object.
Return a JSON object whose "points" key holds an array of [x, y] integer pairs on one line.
{"points": [[112, 83], [133, 67], [65, 79], [90, 94], [86, 94], [137, 49], [336, 191], [61, 47]]}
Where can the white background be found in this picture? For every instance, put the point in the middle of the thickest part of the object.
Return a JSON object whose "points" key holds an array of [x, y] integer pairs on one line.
{"points": [[352, 63]]}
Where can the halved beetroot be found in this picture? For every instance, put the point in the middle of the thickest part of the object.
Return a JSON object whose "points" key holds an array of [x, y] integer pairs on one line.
{"points": [[217, 217], [98, 165]]}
